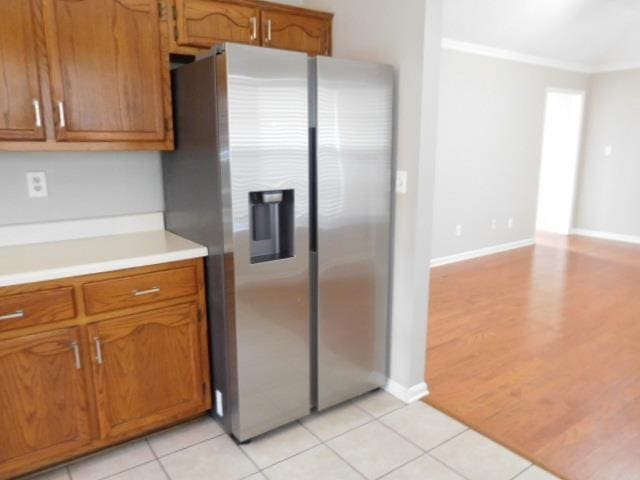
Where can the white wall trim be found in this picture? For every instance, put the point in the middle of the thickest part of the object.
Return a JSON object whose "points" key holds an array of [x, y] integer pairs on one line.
{"points": [[617, 67], [407, 395], [616, 237], [484, 50], [30, 233], [460, 257]]}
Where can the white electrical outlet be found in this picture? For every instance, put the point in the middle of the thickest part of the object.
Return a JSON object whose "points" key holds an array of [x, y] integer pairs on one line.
{"points": [[37, 184], [401, 181], [494, 224], [510, 224], [608, 151], [458, 230]]}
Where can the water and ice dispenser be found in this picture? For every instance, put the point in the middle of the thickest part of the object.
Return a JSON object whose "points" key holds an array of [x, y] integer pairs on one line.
{"points": [[272, 225]]}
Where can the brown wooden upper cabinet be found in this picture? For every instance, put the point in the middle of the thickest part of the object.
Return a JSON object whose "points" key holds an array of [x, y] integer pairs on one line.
{"points": [[20, 98], [203, 23], [200, 24], [292, 31], [106, 69], [105, 82]]}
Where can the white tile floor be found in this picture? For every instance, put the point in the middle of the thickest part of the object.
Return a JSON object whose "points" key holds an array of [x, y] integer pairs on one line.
{"points": [[376, 436]]}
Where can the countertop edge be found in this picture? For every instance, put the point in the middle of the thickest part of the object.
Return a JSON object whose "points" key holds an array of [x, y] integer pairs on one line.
{"points": [[101, 267]]}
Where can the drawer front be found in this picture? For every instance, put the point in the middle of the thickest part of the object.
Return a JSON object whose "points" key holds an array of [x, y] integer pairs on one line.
{"points": [[35, 308], [127, 292]]}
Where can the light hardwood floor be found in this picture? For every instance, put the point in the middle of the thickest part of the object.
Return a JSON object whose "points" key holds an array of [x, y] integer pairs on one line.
{"points": [[539, 349]]}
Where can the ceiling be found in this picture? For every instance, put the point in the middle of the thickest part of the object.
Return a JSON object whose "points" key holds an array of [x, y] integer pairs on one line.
{"points": [[591, 34]]}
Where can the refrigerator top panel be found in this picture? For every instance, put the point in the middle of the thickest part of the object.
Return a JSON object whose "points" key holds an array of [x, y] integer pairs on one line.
{"points": [[263, 131], [354, 139]]}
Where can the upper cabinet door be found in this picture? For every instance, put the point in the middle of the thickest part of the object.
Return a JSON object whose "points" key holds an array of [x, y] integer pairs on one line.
{"points": [[293, 31], [148, 369], [43, 398], [204, 23], [20, 98], [106, 69]]}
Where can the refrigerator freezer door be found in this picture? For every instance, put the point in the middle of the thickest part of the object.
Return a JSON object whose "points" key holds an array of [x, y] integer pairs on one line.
{"points": [[353, 169], [263, 118]]}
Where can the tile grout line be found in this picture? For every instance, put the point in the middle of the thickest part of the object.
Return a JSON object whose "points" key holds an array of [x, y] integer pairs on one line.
{"points": [[448, 440], [522, 471], [199, 442], [371, 420], [322, 442], [157, 459], [237, 444], [394, 469], [448, 467], [111, 475]]}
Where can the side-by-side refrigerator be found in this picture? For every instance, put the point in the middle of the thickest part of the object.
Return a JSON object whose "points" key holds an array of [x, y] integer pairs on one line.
{"points": [[282, 169]]}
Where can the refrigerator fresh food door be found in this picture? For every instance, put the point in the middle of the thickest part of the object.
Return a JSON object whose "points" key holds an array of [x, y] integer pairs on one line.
{"points": [[354, 104], [264, 145]]}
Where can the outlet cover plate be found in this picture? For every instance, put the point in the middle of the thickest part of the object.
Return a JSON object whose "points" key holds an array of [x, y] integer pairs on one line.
{"points": [[401, 182], [37, 184]]}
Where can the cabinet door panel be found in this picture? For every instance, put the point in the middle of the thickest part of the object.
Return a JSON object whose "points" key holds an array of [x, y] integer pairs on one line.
{"points": [[43, 399], [149, 370], [106, 69], [204, 23], [20, 99], [290, 31]]}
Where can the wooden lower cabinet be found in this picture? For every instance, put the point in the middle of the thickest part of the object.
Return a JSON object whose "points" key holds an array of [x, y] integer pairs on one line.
{"points": [[43, 398], [76, 385], [148, 368]]}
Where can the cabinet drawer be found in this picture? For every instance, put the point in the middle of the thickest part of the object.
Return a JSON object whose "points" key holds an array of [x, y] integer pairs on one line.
{"points": [[34, 308], [127, 292]]}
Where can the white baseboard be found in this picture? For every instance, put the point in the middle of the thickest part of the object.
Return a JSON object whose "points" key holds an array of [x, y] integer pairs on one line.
{"points": [[616, 237], [30, 233], [407, 395], [459, 257]]}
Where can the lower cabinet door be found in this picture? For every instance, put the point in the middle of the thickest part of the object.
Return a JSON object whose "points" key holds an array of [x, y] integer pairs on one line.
{"points": [[147, 369], [43, 399]]}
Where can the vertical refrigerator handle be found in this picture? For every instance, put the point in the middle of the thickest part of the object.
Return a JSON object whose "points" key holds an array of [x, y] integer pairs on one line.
{"points": [[313, 191]]}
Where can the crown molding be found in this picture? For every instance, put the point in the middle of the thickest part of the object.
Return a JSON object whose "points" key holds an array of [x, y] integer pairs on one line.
{"points": [[484, 50], [617, 67]]}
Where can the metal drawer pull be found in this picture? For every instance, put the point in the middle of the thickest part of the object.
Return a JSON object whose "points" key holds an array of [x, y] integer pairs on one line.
{"points": [[99, 358], [12, 316], [254, 28], [36, 108], [76, 353], [142, 293], [268, 30], [63, 118]]}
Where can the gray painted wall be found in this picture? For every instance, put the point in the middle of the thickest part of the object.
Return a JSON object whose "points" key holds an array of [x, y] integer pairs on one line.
{"points": [[609, 195], [81, 185], [489, 145]]}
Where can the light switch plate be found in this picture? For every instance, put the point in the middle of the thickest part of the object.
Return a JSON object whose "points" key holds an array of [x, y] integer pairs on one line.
{"points": [[401, 181], [608, 151], [37, 184]]}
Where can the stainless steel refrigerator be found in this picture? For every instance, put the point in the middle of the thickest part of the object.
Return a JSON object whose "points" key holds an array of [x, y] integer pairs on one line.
{"points": [[282, 169]]}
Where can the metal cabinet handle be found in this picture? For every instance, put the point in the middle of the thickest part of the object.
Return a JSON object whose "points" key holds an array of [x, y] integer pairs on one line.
{"points": [[12, 316], [269, 30], [63, 118], [99, 358], [254, 28], [76, 354], [38, 113], [142, 293]]}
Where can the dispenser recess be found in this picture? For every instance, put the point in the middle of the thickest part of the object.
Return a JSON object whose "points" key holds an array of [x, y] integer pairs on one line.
{"points": [[272, 225]]}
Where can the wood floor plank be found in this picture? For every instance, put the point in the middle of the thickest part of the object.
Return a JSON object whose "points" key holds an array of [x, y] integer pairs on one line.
{"points": [[539, 349]]}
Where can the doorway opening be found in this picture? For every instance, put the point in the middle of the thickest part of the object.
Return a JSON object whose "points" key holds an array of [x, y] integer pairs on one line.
{"points": [[559, 164]]}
